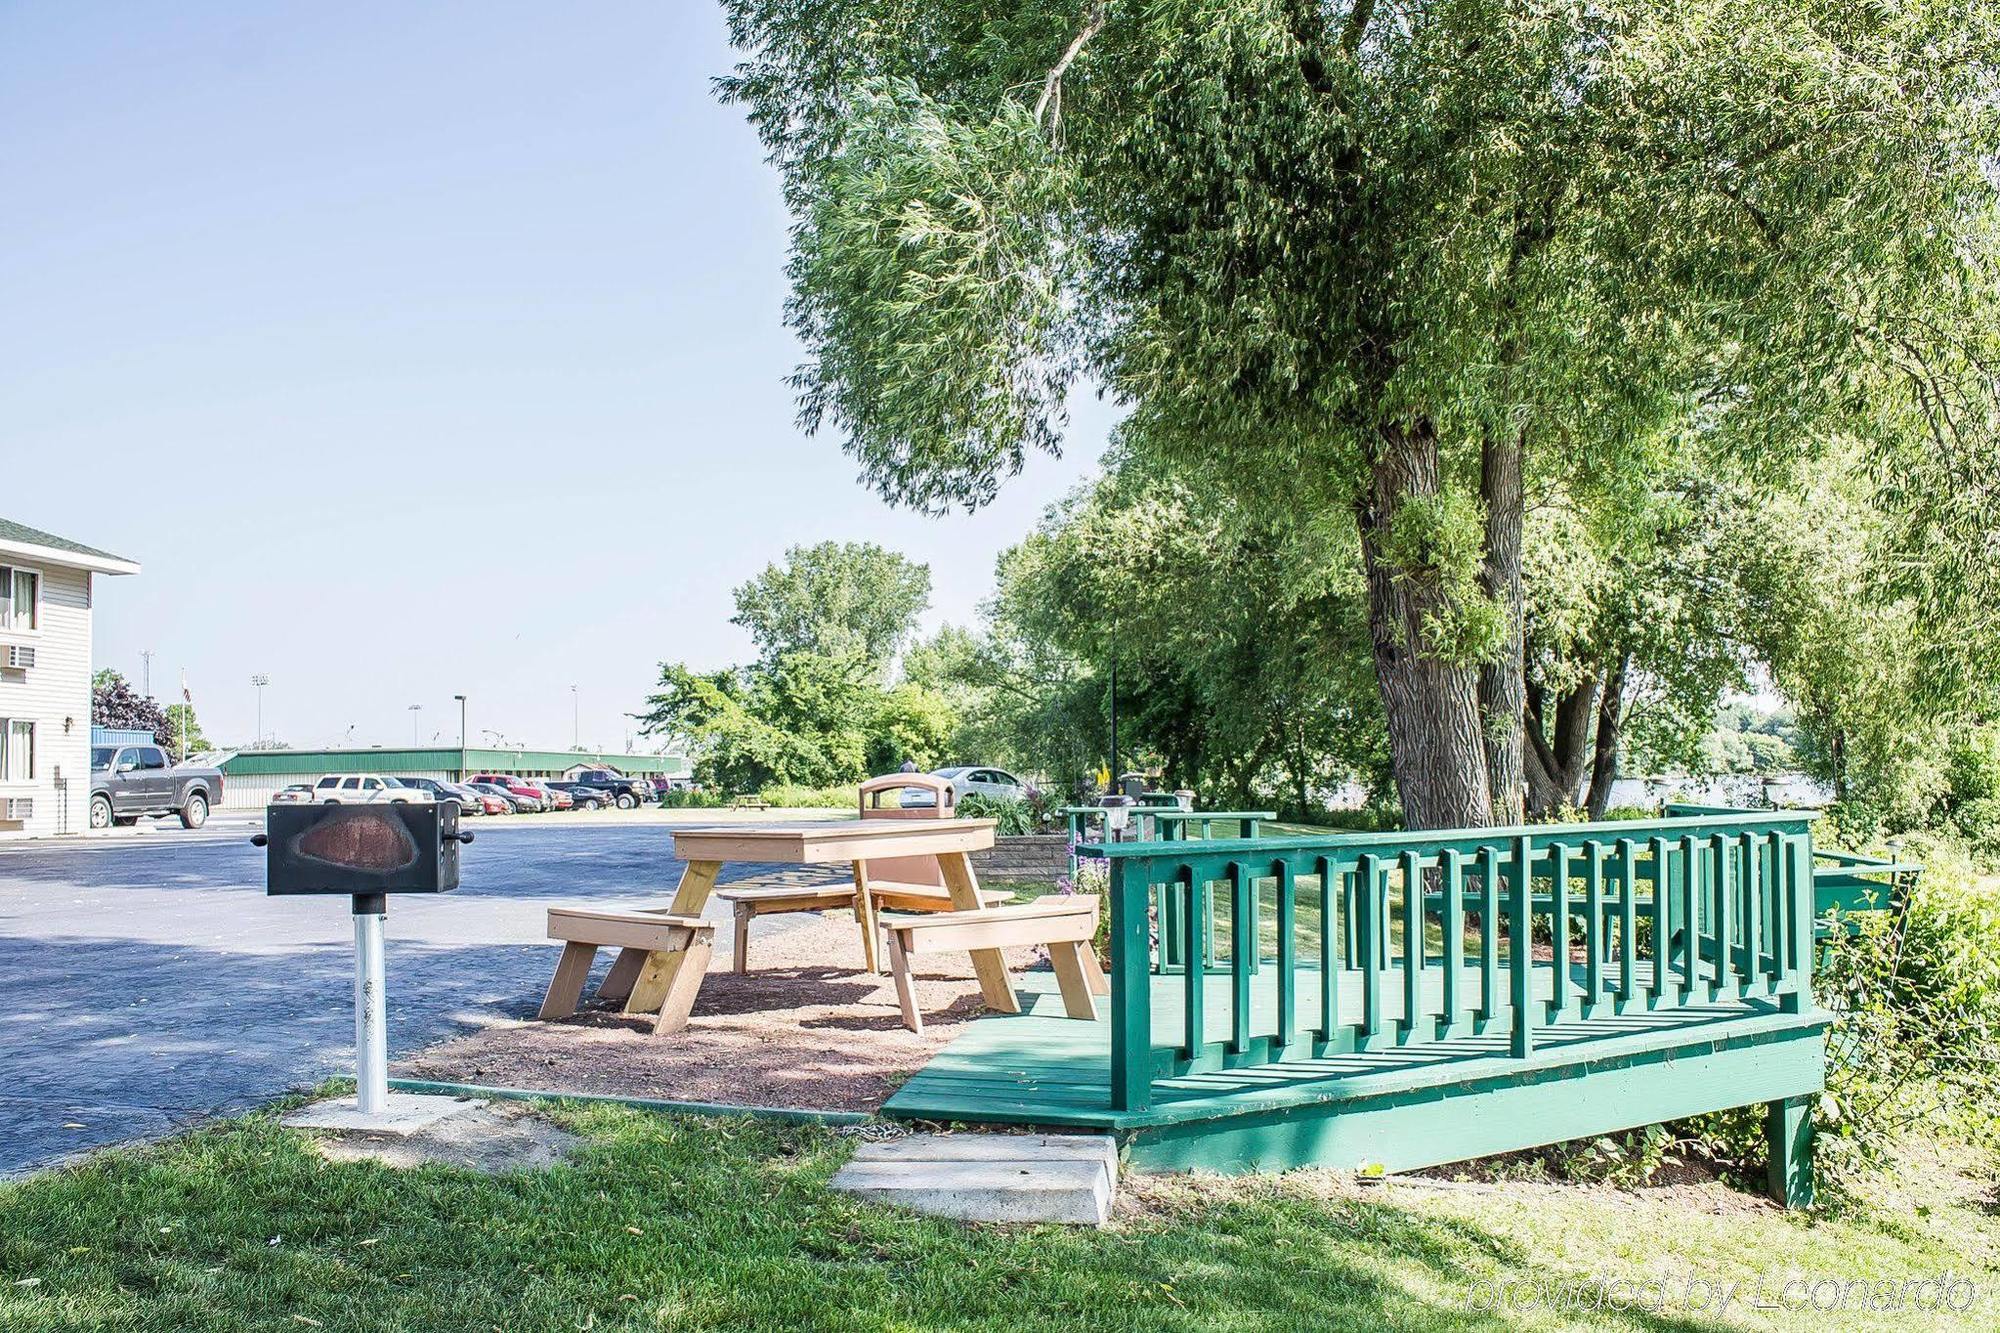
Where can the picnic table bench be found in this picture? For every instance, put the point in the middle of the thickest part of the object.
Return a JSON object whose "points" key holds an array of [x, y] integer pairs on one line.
{"points": [[749, 801], [667, 946], [1064, 923]]}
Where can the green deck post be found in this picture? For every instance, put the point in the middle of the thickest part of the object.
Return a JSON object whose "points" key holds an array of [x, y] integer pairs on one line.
{"points": [[1662, 920], [1799, 939], [1489, 934], [1690, 903], [1520, 946], [1413, 942], [1628, 916], [1451, 869], [1559, 983], [1593, 926], [1329, 949], [1788, 1139], [1288, 963], [1368, 937], [1242, 953], [1131, 993], [1754, 887], [1193, 1021]]}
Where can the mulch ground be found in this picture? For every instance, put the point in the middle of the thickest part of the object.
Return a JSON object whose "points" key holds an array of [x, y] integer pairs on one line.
{"points": [[806, 1027]]}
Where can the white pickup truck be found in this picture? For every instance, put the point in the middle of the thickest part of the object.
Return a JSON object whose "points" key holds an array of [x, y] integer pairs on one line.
{"points": [[128, 782]]}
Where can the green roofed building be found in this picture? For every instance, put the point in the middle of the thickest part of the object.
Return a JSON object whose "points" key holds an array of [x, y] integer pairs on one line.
{"points": [[250, 776]]}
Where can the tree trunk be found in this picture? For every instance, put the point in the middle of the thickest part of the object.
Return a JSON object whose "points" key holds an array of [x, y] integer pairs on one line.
{"points": [[1432, 705], [1556, 768], [1610, 724], [1502, 691]]}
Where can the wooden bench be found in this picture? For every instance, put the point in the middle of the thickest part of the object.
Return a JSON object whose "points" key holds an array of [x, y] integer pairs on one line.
{"points": [[648, 975], [1065, 923], [750, 801], [752, 902]]}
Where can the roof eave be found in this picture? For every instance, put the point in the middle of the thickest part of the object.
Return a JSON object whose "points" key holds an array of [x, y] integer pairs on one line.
{"points": [[54, 555]]}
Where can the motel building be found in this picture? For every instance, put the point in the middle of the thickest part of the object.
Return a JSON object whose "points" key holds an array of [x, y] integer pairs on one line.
{"points": [[45, 600]]}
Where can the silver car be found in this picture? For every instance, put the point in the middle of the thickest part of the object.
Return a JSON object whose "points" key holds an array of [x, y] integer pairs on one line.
{"points": [[969, 781]]}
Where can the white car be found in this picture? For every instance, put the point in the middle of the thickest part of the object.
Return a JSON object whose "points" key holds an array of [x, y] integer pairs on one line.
{"points": [[366, 789], [994, 782]]}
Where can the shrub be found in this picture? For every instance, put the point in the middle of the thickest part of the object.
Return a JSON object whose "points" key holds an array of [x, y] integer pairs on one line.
{"points": [[1015, 817], [843, 797], [1916, 1038], [688, 799]]}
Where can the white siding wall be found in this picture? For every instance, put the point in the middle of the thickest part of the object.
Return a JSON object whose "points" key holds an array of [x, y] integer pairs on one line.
{"points": [[55, 690]]}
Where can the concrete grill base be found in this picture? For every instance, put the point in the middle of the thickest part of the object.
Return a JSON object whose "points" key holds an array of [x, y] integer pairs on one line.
{"points": [[403, 1114]]}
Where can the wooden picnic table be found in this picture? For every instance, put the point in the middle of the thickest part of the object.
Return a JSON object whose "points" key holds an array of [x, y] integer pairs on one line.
{"points": [[852, 842]]}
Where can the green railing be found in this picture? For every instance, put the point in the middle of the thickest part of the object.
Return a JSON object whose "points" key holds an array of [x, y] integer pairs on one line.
{"points": [[1844, 883], [1367, 941]]}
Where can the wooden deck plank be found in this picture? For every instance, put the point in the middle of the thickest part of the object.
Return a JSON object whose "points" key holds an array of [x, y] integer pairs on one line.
{"points": [[1042, 1068]]}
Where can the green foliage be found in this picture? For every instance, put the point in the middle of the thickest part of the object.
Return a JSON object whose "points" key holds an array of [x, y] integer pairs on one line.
{"points": [[688, 798], [1915, 1049], [836, 599], [189, 742], [1746, 740], [1336, 258], [1215, 618], [814, 708], [1015, 817], [790, 796]]}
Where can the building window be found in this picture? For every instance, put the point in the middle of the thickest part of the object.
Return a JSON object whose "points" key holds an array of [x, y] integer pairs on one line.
{"points": [[17, 750], [20, 595]]}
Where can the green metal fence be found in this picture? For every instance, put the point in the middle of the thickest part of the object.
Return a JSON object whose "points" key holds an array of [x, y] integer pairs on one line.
{"points": [[1369, 941]]}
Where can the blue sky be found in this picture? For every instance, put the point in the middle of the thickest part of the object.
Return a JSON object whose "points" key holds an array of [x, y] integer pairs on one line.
{"points": [[416, 350]]}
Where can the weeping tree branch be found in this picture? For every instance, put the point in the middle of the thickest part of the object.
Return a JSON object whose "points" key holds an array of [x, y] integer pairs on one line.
{"points": [[1051, 98]]}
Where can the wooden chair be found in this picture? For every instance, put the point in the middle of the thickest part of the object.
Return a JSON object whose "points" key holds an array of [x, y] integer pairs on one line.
{"points": [[648, 940], [1065, 923]]}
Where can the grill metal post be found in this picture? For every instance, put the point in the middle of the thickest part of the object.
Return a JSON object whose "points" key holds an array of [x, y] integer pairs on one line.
{"points": [[371, 1029]]}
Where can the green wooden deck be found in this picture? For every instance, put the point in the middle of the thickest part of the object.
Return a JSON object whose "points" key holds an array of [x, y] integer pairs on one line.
{"points": [[1392, 999], [1401, 1107]]}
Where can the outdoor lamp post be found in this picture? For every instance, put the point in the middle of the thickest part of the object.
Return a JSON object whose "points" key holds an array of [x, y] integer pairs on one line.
{"points": [[416, 710], [260, 680], [461, 720]]}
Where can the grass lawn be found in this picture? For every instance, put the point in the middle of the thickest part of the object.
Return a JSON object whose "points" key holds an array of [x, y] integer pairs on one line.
{"points": [[667, 1222]]}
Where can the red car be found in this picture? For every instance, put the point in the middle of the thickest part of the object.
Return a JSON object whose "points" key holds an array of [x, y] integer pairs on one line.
{"points": [[513, 786]]}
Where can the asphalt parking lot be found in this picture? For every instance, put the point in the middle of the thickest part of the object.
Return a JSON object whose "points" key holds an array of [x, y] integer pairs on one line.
{"points": [[147, 981]]}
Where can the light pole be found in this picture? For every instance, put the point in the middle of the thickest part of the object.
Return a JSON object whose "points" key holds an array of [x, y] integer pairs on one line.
{"points": [[575, 731], [260, 680], [146, 672], [461, 720], [415, 711]]}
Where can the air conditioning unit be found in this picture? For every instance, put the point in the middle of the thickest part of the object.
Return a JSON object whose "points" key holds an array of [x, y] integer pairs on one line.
{"points": [[20, 807], [20, 657]]}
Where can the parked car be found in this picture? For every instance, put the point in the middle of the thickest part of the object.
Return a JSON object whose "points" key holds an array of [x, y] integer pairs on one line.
{"points": [[509, 803], [489, 803], [468, 803], [553, 797], [529, 798], [128, 782], [293, 795], [967, 781], [366, 789], [585, 796], [626, 793]]}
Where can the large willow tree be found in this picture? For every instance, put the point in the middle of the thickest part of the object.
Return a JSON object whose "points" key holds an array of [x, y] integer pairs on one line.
{"points": [[1411, 263]]}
